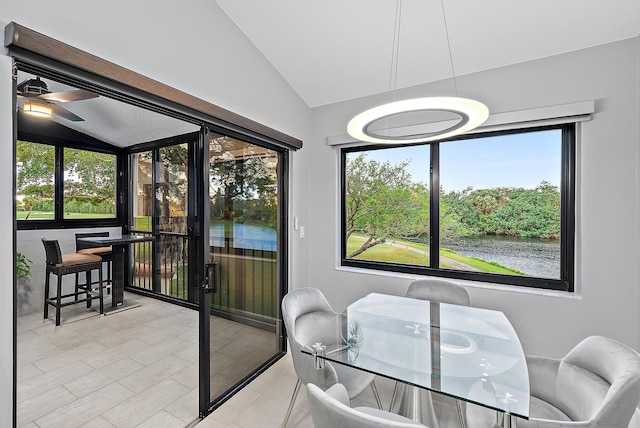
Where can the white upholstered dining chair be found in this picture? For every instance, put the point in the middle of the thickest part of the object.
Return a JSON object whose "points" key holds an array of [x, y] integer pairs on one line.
{"points": [[596, 385], [304, 311], [331, 409], [439, 290]]}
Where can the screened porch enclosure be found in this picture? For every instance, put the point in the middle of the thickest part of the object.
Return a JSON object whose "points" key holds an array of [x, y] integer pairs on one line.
{"points": [[242, 227], [217, 203]]}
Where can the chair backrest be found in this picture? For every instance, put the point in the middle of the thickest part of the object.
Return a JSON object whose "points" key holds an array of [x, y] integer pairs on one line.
{"points": [[52, 251], [82, 245], [439, 290], [303, 311], [599, 380], [331, 409]]}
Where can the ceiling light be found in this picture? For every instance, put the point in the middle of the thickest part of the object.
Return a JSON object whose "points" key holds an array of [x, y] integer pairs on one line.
{"points": [[470, 113], [36, 109]]}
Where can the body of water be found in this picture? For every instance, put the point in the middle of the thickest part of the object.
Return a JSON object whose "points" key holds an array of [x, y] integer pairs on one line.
{"points": [[534, 257], [242, 235]]}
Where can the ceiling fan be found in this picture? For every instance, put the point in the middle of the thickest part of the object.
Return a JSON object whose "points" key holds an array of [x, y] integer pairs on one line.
{"points": [[40, 101]]}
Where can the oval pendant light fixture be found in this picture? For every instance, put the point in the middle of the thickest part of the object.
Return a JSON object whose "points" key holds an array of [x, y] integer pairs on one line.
{"points": [[469, 113]]}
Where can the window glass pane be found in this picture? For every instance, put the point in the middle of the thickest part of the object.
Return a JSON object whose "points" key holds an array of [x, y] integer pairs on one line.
{"points": [[500, 204], [243, 227], [172, 191], [142, 169], [89, 184], [35, 188], [387, 205]]}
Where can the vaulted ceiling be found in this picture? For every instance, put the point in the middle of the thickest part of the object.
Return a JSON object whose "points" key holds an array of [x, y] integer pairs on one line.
{"points": [[334, 50]]}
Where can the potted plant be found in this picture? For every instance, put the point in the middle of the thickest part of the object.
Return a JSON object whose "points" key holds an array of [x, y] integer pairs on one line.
{"points": [[23, 271]]}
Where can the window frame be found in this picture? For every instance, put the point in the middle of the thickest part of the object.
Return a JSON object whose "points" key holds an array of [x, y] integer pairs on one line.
{"points": [[59, 222], [566, 282]]}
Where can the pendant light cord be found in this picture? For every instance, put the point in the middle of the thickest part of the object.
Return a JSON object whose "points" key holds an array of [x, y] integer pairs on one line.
{"points": [[446, 31], [366, 125], [393, 73]]}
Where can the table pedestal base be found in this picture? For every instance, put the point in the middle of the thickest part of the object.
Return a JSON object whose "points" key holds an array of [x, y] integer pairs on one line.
{"points": [[414, 403], [127, 304]]}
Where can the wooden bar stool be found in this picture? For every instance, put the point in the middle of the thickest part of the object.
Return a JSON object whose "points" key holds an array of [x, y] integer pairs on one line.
{"points": [[61, 265]]}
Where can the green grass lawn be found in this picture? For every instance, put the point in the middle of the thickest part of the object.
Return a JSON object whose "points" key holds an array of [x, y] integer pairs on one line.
{"points": [[388, 253], [38, 215], [143, 223], [483, 265]]}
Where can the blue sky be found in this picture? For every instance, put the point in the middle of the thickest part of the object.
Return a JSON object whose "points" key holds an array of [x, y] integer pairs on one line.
{"points": [[519, 160]]}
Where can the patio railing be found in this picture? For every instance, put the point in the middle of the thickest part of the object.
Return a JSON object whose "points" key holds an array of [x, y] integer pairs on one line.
{"points": [[172, 262], [246, 282]]}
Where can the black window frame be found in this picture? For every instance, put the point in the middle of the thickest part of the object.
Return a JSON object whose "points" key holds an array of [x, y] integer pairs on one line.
{"points": [[566, 282], [59, 222]]}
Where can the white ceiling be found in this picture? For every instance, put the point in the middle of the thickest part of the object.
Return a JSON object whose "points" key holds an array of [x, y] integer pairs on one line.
{"points": [[335, 50], [114, 122]]}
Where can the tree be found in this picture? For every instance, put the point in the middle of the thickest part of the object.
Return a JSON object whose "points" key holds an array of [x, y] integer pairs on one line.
{"points": [[35, 167], [382, 202], [531, 213], [173, 187], [35, 175], [458, 216], [90, 178], [90, 174], [243, 189]]}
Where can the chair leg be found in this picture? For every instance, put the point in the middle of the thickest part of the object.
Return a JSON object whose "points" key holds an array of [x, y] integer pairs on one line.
{"points": [[100, 294], [393, 396], [463, 422], [46, 294], [291, 403], [87, 289], [375, 394], [77, 288], [58, 300]]}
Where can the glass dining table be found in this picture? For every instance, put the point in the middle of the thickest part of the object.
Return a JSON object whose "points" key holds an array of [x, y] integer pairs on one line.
{"points": [[468, 353]]}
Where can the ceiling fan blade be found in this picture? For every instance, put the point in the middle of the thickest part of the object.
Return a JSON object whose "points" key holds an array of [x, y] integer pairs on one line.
{"points": [[64, 113], [66, 96]]}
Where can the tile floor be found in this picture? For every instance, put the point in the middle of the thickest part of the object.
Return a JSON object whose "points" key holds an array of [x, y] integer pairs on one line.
{"points": [[133, 368], [139, 368], [263, 403]]}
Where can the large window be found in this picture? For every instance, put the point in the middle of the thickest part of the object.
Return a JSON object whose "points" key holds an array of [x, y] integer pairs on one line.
{"points": [[493, 207], [56, 184]]}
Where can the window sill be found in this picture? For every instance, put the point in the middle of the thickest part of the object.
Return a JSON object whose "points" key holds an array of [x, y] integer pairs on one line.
{"points": [[469, 284]]}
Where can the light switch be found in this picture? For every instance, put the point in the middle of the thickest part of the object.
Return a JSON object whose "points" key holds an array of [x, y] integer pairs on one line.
{"points": [[301, 231]]}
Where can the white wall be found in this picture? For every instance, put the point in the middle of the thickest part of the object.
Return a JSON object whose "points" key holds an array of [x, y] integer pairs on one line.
{"points": [[190, 45], [607, 238], [6, 232]]}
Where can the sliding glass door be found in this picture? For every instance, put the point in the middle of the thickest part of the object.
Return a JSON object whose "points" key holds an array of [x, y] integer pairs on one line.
{"points": [[243, 261]]}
